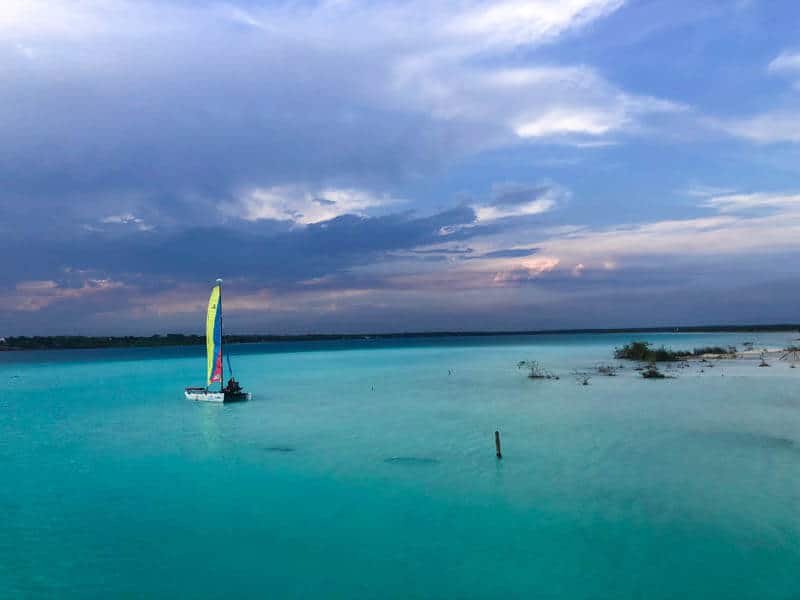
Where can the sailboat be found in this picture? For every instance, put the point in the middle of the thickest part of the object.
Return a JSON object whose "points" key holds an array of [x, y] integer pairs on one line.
{"points": [[232, 392]]}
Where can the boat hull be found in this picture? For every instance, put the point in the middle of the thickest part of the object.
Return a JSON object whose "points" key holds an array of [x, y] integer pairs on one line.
{"points": [[201, 395]]}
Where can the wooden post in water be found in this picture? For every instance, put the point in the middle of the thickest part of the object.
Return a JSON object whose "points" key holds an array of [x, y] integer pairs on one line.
{"points": [[497, 444]]}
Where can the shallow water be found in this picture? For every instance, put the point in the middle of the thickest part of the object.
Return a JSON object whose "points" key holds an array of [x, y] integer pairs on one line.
{"points": [[367, 469]]}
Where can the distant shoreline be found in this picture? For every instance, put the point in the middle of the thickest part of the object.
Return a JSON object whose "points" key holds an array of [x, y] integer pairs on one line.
{"points": [[62, 342]]}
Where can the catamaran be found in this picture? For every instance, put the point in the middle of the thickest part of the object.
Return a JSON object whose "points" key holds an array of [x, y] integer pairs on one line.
{"points": [[232, 392]]}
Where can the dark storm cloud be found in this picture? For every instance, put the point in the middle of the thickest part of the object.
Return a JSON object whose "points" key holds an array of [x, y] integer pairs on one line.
{"points": [[268, 252]]}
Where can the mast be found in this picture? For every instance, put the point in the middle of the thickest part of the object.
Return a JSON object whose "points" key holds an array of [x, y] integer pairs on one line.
{"points": [[222, 366]]}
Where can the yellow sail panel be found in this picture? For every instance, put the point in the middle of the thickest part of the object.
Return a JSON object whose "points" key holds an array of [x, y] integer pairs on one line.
{"points": [[214, 336]]}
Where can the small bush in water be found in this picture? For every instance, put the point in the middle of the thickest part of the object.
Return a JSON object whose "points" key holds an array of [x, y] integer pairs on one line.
{"points": [[652, 372], [642, 351], [535, 370]]}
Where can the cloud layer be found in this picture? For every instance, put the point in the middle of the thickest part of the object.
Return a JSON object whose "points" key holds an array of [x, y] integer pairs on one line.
{"points": [[356, 165]]}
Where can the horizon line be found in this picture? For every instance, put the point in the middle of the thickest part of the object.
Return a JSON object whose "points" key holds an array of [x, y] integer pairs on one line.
{"points": [[243, 338]]}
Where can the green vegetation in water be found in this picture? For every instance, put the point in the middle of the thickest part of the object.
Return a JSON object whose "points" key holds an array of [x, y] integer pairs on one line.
{"points": [[714, 350], [644, 352]]}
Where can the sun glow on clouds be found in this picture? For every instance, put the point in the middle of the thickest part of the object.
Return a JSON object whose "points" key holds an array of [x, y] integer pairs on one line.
{"points": [[35, 295], [193, 300], [516, 271], [471, 275], [576, 253], [744, 224]]}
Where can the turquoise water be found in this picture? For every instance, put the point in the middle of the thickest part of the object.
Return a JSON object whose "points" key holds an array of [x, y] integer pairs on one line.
{"points": [[365, 470]]}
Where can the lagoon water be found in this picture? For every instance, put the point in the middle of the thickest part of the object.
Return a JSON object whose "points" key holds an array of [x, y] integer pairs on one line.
{"points": [[367, 470]]}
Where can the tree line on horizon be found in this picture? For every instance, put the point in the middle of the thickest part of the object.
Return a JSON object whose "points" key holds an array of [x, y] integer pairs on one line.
{"points": [[79, 342]]}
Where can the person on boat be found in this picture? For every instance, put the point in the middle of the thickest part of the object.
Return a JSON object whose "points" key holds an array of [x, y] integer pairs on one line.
{"points": [[233, 386]]}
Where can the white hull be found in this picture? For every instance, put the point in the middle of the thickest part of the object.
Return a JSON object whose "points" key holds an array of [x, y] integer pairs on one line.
{"points": [[203, 396]]}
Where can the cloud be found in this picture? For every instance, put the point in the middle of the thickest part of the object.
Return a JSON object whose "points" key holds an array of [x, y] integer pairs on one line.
{"points": [[262, 253], [359, 256], [731, 203], [768, 128], [135, 134], [741, 226], [127, 219], [559, 121], [777, 125], [706, 191], [517, 200], [508, 253], [301, 204], [35, 295], [516, 23], [190, 103], [353, 273], [299, 149], [785, 62], [569, 104], [620, 114], [469, 275], [742, 229]]}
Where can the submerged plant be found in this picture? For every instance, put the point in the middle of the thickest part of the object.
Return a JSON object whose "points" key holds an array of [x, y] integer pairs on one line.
{"points": [[582, 377], [535, 370], [791, 352], [607, 370], [652, 372]]}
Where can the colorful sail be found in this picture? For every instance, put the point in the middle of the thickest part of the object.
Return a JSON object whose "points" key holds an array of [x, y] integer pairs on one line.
{"points": [[214, 335]]}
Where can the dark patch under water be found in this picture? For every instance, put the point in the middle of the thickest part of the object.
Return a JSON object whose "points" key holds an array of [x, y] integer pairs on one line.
{"points": [[749, 439], [411, 460], [279, 449]]}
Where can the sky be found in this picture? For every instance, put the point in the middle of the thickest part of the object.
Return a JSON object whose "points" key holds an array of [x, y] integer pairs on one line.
{"points": [[367, 166]]}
